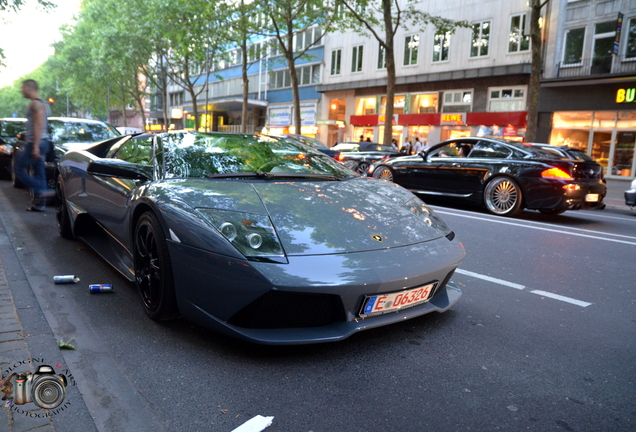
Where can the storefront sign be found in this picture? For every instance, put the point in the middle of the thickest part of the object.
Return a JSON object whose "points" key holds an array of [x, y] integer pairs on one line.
{"points": [[308, 115], [279, 116], [625, 95], [453, 119], [382, 119], [619, 28], [510, 131]]}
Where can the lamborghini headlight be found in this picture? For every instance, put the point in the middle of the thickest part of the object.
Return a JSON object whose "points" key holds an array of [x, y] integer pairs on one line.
{"points": [[252, 234], [419, 208], [5, 149]]}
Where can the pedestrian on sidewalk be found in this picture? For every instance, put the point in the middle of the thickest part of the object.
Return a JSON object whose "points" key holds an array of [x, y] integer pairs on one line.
{"points": [[37, 146]]}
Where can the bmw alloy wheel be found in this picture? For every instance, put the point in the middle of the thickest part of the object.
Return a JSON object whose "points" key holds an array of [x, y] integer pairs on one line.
{"points": [[383, 173], [502, 197], [362, 167]]}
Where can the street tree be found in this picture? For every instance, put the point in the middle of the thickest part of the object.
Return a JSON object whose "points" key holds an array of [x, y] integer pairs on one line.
{"points": [[382, 19], [536, 68], [297, 26]]}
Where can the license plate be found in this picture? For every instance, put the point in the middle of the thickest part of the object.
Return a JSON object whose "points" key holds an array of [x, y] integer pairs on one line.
{"points": [[385, 303], [591, 198]]}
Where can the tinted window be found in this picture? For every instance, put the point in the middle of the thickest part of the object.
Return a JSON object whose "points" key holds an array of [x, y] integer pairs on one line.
{"points": [[137, 151], [9, 129], [491, 150], [79, 132], [201, 155]]}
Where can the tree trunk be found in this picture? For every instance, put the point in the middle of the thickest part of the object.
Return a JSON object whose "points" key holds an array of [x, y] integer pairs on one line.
{"points": [[293, 75], [535, 72], [390, 72], [246, 84]]}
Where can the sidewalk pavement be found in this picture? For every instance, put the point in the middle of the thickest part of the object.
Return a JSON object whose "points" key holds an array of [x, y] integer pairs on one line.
{"points": [[616, 192], [14, 346]]}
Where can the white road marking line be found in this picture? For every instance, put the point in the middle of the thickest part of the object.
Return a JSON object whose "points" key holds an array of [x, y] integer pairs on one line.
{"points": [[562, 298], [490, 279], [503, 222], [255, 424], [521, 287]]}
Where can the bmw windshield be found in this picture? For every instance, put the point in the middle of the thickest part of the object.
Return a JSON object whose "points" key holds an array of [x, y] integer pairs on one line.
{"points": [[202, 155]]}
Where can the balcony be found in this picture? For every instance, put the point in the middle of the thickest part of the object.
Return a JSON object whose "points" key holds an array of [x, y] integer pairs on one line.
{"points": [[597, 66]]}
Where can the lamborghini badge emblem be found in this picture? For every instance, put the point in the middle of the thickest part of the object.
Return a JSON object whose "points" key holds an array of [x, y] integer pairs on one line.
{"points": [[376, 238]]}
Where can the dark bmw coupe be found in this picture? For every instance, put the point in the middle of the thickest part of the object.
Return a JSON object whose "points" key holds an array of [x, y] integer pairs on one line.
{"points": [[259, 237], [359, 156], [504, 176]]}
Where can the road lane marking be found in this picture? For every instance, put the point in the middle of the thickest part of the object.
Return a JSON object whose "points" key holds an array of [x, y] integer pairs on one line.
{"points": [[562, 298], [490, 279], [521, 287], [503, 222]]}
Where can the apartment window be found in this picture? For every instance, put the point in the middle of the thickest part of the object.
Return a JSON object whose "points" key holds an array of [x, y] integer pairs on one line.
{"points": [[411, 45], [307, 38], [519, 38], [480, 39], [274, 48], [507, 99], [356, 58], [441, 43], [280, 79], [573, 52], [254, 52], [336, 58], [176, 98], [307, 75], [458, 101], [381, 57], [630, 48]]}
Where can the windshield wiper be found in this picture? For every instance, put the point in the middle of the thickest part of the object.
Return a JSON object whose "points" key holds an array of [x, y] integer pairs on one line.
{"points": [[275, 175]]}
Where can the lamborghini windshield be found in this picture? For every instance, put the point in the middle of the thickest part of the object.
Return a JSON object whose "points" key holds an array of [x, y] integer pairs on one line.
{"points": [[203, 155]]}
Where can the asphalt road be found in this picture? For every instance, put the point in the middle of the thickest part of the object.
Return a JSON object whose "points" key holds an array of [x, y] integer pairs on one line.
{"points": [[543, 339]]}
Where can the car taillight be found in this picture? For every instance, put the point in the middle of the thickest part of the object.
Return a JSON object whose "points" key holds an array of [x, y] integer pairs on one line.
{"points": [[556, 173], [340, 157]]}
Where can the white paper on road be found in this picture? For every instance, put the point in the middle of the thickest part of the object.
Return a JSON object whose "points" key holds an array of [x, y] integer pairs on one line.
{"points": [[256, 424]]}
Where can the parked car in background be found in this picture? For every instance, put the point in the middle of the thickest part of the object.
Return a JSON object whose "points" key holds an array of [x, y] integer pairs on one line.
{"points": [[358, 156], [630, 195], [9, 130], [504, 176], [317, 144], [66, 133]]}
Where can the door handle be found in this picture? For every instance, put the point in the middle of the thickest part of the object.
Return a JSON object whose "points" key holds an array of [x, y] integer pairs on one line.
{"points": [[456, 164]]}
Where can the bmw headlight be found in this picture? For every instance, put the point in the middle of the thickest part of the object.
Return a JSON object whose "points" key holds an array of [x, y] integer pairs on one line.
{"points": [[420, 209], [252, 234]]}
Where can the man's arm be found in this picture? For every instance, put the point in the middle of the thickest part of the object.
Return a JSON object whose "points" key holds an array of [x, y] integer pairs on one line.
{"points": [[37, 110]]}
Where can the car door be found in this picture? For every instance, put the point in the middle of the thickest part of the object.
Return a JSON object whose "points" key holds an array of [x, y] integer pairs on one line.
{"points": [[108, 193], [442, 171]]}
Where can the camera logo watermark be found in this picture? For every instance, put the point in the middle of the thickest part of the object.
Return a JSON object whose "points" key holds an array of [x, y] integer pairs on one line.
{"points": [[45, 388]]}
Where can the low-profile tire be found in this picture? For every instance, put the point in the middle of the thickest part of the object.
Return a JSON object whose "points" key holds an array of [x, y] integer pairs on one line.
{"points": [[383, 173], [15, 181], [552, 211], [502, 197], [61, 211], [362, 167], [153, 269]]}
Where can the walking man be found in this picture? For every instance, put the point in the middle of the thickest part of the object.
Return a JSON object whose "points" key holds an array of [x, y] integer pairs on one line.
{"points": [[37, 146]]}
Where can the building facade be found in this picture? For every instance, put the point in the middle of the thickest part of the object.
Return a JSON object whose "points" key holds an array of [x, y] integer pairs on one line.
{"points": [[587, 97], [471, 82]]}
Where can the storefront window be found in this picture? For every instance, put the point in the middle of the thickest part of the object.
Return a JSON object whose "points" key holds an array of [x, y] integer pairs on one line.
{"points": [[398, 104], [453, 132], [601, 145], [366, 106], [424, 103], [626, 119], [572, 119], [420, 132], [337, 109], [362, 134], [396, 134], [605, 119], [624, 154]]}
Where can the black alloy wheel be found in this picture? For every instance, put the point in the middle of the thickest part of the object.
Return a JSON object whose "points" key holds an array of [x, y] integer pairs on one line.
{"points": [[383, 173], [362, 167], [61, 211], [502, 197], [153, 269]]}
